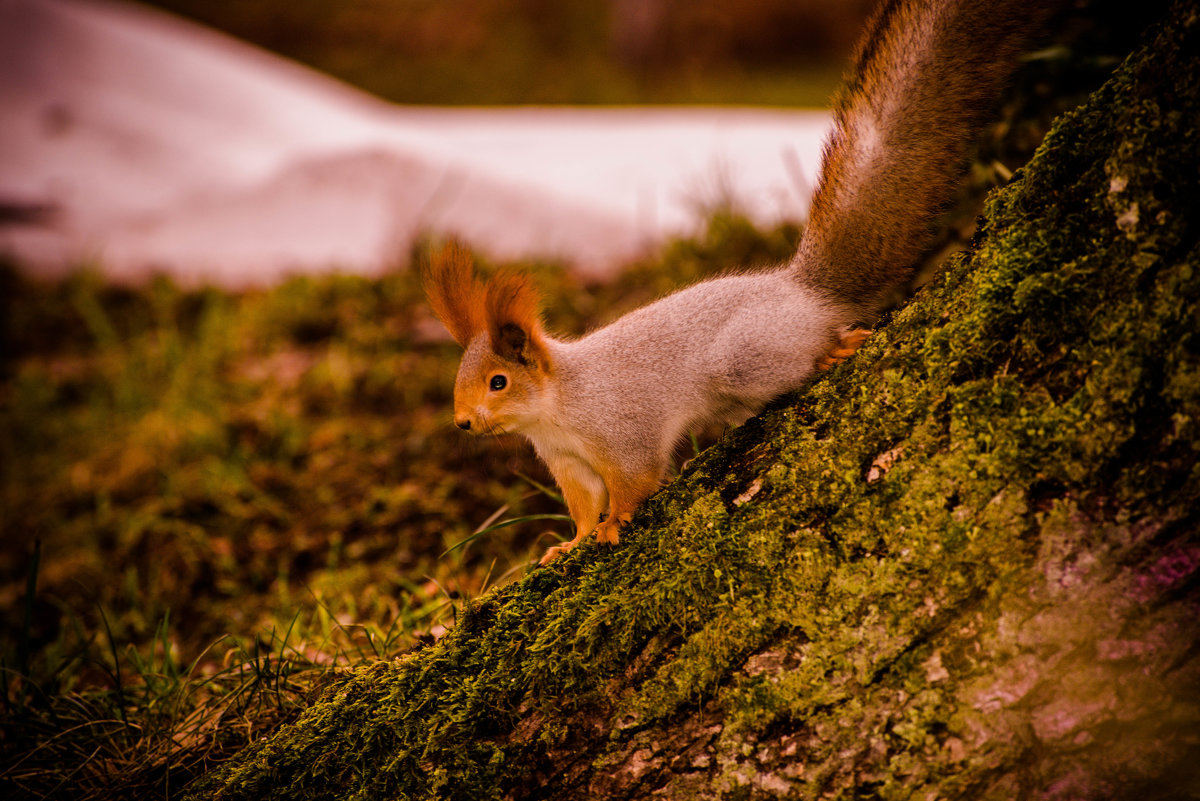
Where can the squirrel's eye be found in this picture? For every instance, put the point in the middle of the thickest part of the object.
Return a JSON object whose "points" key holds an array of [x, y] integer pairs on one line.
{"points": [[499, 382]]}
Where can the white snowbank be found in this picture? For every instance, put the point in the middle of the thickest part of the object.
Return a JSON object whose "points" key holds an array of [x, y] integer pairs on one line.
{"points": [[156, 144]]}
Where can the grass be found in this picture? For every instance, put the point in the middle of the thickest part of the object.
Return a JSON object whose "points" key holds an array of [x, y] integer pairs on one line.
{"points": [[214, 502]]}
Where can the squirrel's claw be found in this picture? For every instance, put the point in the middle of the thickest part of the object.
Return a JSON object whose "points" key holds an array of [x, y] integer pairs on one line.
{"points": [[609, 532], [555, 551], [848, 342]]}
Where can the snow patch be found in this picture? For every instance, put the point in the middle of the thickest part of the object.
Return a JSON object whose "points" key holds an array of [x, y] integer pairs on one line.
{"points": [[147, 143]]}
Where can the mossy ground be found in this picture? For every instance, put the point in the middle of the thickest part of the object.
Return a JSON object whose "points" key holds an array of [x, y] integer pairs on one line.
{"points": [[962, 565]]}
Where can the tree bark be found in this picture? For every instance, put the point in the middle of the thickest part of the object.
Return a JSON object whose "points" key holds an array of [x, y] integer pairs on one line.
{"points": [[962, 565]]}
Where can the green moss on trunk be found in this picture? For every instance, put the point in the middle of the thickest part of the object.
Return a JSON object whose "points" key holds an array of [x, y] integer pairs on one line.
{"points": [[963, 565]]}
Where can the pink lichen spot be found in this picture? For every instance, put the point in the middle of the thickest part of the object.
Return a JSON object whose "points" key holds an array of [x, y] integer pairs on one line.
{"points": [[934, 670], [750, 492], [1074, 785], [1068, 716], [1113, 650], [1007, 685], [1128, 220], [1167, 571], [956, 749], [882, 463]]}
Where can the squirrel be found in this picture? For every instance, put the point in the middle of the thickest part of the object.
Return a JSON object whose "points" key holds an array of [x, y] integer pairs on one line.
{"points": [[605, 412]]}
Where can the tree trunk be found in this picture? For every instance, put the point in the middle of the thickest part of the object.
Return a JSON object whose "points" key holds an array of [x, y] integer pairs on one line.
{"points": [[962, 565]]}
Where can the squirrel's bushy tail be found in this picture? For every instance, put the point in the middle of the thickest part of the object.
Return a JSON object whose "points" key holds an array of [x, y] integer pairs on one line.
{"points": [[924, 74]]}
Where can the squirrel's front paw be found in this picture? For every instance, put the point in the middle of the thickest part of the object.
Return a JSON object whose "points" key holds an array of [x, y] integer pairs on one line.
{"points": [[608, 532], [556, 551], [848, 342]]}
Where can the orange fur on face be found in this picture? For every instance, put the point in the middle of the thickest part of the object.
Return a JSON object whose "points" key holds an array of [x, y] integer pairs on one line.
{"points": [[456, 295]]}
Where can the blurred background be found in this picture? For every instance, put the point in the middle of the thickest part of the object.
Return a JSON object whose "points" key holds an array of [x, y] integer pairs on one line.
{"points": [[488, 52], [148, 142]]}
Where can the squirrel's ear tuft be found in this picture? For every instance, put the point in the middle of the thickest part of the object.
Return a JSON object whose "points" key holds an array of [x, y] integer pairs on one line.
{"points": [[455, 294], [512, 311]]}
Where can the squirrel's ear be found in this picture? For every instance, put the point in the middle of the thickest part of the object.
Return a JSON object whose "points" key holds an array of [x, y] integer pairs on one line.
{"points": [[455, 294], [514, 326]]}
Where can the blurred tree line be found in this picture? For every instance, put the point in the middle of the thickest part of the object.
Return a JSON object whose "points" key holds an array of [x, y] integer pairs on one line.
{"points": [[783, 52]]}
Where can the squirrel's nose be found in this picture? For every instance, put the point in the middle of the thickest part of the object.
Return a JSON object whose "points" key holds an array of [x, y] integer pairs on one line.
{"points": [[464, 424]]}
